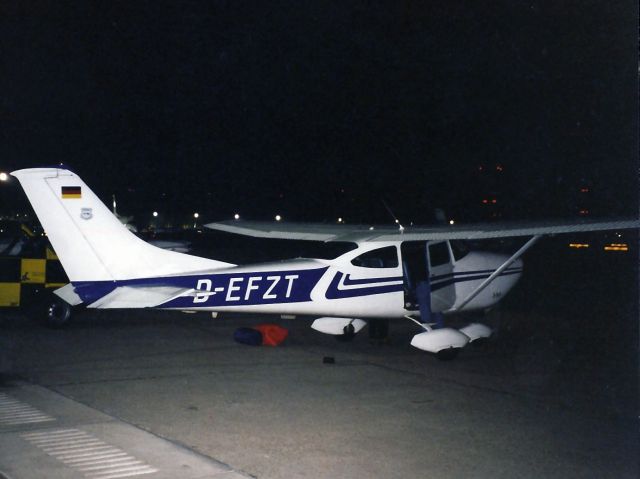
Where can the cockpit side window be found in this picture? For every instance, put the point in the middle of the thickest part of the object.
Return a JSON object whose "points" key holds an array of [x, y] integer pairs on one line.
{"points": [[438, 254], [460, 249], [386, 257]]}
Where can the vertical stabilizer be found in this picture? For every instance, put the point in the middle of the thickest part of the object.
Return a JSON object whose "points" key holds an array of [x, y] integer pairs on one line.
{"points": [[90, 241]]}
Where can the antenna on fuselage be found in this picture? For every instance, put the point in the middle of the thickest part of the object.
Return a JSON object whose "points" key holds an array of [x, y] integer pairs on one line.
{"points": [[395, 219]]}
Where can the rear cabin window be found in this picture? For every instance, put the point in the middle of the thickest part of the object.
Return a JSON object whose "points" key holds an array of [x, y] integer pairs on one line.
{"points": [[438, 254], [378, 258], [459, 248]]}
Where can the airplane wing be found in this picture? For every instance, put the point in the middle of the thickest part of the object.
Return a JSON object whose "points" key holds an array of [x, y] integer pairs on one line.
{"points": [[360, 233], [297, 231]]}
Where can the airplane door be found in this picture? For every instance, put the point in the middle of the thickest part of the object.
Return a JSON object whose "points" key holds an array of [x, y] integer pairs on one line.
{"points": [[443, 292], [414, 270], [421, 260]]}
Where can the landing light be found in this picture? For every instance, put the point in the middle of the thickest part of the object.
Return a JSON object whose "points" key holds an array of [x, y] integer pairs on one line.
{"points": [[278, 217], [155, 214], [4, 176], [236, 216], [452, 222], [196, 215]]}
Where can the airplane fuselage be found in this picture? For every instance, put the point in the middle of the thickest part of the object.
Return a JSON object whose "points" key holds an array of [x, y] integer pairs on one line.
{"points": [[374, 280]]}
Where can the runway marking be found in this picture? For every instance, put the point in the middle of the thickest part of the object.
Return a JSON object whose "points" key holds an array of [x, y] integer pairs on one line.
{"points": [[14, 412], [88, 454]]}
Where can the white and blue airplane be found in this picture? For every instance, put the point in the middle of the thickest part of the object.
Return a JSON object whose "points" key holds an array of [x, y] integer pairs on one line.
{"points": [[412, 273]]}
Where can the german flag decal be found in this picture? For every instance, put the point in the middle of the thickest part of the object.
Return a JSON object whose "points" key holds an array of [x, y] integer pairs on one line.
{"points": [[70, 192]]}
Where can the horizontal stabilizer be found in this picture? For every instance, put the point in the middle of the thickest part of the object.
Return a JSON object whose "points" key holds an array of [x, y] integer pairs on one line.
{"points": [[67, 294], [138, 297]]}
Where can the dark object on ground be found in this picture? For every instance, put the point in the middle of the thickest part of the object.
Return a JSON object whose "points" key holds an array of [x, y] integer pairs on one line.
{"points": [[328, 360], [272, 334], [378, 329], [249, 336]]}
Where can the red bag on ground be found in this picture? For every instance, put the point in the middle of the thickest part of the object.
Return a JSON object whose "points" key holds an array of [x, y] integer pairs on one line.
{"points": [[272, 334]]}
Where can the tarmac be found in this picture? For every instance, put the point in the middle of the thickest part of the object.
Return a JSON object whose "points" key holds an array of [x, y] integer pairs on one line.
{"points": [[168, 394]]}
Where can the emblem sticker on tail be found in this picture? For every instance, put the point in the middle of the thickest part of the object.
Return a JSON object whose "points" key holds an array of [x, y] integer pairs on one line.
{"points": [[86, 213]]}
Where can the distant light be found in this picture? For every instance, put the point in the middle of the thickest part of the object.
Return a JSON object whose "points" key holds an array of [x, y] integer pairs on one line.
{"points": [[616, 247], [196, 215], [155, 214], [278, 217], [451, 222], [371, 228], [340, 220], [236, 216], [397, 222], [578, 245], [4, 176]]}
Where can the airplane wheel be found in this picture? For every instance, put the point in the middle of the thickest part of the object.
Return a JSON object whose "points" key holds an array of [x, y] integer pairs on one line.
{"points": [[448, 354], [349, 334], [58, 314]]}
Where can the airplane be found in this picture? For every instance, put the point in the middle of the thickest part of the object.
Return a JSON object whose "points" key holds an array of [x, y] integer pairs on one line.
{"points": [[416, 273]]}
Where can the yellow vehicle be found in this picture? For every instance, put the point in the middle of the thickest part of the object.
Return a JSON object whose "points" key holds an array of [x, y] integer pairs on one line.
{"points": [[29, 271]]}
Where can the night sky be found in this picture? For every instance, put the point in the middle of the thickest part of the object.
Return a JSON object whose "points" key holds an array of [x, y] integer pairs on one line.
{"points": [[323, 109]]}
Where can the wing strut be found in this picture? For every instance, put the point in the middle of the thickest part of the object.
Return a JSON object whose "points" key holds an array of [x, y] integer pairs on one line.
{"points": [[497, 272]]}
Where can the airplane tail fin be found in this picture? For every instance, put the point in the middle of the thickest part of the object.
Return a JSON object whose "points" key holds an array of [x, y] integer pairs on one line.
{"points": [[90, 241]]}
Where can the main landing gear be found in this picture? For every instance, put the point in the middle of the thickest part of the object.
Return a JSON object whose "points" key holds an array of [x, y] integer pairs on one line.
{"points": [[446, 343]]}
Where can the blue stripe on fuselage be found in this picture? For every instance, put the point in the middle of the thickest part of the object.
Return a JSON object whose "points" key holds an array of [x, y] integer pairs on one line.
{"points": [[365, 287], [444, 280], [224, 289]]}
